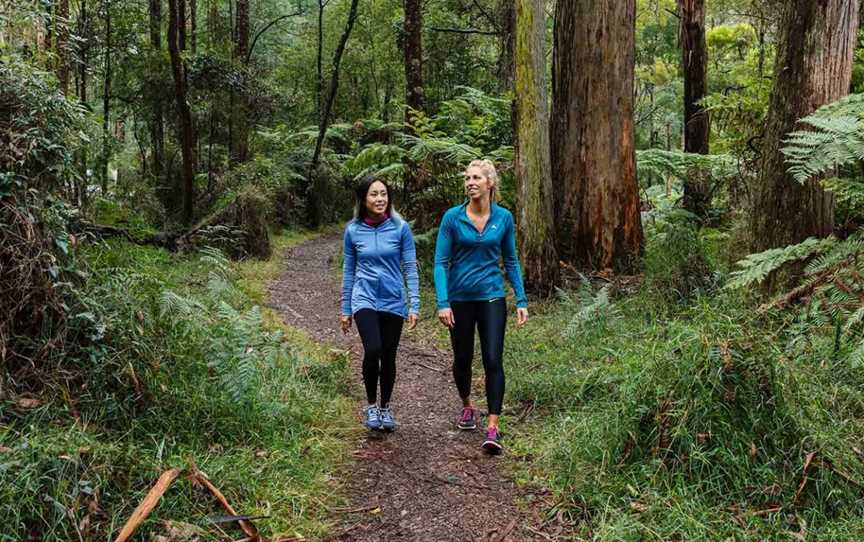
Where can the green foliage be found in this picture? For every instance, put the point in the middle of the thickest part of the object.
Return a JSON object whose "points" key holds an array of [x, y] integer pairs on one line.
{"points": [[835, 140], [656, 165], [831, 288], [39, 129], [182, 368], [757, 267], [677, 267], [590, 308], [686, 422]]}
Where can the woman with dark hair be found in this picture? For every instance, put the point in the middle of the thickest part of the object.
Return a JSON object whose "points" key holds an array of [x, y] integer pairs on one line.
{"points": [[473, 239], [378, 244]]}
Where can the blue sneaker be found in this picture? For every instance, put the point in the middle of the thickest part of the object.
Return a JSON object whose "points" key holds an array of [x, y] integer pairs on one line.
{"points": [[373, 418], [387, 422]]}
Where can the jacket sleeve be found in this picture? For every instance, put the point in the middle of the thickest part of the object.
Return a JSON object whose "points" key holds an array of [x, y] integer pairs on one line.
{"points": [[443, 249], [511, 263], [409, 260], [349, 266]]}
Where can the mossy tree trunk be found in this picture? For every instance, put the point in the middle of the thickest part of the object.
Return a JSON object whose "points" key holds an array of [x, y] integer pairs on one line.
{"points": [[535, 217], [697, 192], [814, 67], [598, 219]]}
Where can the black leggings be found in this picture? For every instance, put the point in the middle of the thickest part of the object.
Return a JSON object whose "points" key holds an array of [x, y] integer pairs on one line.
{"points": [[380, 332], [490, 318]]}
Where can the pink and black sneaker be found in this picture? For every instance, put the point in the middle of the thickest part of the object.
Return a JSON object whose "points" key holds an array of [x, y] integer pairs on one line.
{"points": [[492, 444], [468, 419]]}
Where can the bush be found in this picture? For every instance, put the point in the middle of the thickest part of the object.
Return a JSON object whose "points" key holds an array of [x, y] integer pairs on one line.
{"points": [[676, 263]]}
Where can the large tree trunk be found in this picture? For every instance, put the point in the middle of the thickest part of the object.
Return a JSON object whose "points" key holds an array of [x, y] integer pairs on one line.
{"points": [[62, 45], [697, 191], [184, 114], [814, 66], [593, 150], [106, 98], [535, 217], [239, 113]]}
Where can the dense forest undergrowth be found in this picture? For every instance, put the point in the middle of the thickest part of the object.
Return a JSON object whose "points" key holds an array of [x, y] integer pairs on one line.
{"points": [[179, 366]]}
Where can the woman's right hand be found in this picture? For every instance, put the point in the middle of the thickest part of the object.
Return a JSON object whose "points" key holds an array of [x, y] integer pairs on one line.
{"points": [[346, 324], [446, 317]]}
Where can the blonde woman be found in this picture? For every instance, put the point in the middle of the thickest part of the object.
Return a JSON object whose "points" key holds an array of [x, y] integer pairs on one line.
{"points": [[469, 285]]}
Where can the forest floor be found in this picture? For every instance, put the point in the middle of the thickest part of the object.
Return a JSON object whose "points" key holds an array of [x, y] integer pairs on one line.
{"points": [[427, 481]]}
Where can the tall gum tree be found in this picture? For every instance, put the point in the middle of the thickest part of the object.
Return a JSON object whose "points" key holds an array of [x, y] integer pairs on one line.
{"points": [[814, 67], [598, 219], [534, 217], [694, 63]]}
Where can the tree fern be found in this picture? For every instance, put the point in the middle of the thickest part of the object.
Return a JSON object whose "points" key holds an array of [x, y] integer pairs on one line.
{"points": [[755, 268], [835, 139]]}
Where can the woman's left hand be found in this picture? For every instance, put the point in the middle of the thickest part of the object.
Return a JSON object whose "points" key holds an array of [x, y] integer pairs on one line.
{"points": [[521, 316], [412, 321]]}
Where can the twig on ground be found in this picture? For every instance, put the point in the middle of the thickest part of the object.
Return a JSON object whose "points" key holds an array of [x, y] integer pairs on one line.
{"points": [[428, 366], [147, 505]]}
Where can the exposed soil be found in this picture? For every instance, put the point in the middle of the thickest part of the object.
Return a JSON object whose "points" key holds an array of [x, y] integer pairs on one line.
{"points": [[427, 481]]}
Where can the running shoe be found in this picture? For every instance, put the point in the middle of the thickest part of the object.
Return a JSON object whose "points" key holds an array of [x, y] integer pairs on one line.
{"points": [[468, 419], [387, 422], [373, 417], [492, 444]]}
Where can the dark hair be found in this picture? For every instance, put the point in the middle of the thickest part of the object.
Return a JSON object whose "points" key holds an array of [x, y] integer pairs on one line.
{"points": [[360, 211]]}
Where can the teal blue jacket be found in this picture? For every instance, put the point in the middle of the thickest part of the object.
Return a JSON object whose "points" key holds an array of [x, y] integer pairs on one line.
{"points": [[467, 262]]}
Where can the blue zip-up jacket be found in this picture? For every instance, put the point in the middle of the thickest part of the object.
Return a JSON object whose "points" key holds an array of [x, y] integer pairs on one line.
{"points": [[372, 269], [467, 261]]}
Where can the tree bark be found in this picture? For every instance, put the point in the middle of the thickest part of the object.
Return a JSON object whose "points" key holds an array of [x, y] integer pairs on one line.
{"points": [[193, 25], [697, 192], [157, 123], [106, 97], [240, 110], [184, 114], [535, 218], [813, 67], [413, 50], [593, 150], [334, 84], [319, 67], [313, 201], [506, 13], [414, 89], [84, 33]]}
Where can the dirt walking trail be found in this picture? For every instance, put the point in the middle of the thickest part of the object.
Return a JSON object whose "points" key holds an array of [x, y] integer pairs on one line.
{"points": [[430, 481]]}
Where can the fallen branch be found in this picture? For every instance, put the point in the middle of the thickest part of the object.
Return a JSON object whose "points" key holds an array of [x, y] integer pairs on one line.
{"points": [[147, 505], [247, 526]]}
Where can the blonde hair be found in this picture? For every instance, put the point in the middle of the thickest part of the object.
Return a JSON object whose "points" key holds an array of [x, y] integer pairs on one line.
{"points": [[489, 171]]}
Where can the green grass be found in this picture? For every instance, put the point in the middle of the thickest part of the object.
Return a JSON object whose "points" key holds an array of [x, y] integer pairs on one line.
{"points": [[200, 377], [671, 422]]}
